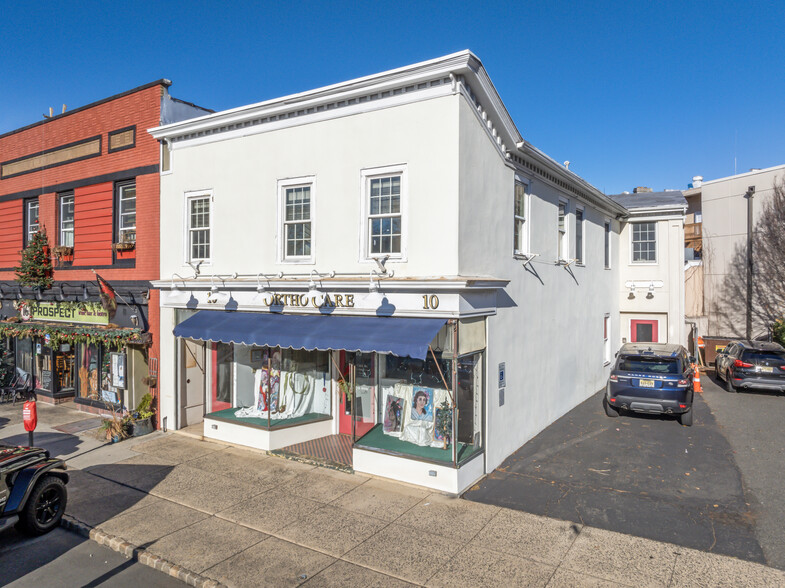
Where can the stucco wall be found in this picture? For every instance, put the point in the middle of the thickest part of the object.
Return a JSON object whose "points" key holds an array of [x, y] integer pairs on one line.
{"points": [[243, 175], [724, 235], [548, 329]]}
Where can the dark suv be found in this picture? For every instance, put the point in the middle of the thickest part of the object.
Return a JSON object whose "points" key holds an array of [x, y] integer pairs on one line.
{"points": [[654, 378], [752, 364], [32, 489]]}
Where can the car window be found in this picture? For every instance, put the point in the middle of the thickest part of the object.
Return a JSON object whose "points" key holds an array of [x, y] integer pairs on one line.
{"points": [[730, 348], [761, 356], [650, 365]]}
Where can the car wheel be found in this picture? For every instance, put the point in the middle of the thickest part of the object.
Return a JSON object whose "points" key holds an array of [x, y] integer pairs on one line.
{"points": [[45, 506], [685, 418], [609, 410], [728, 384]]}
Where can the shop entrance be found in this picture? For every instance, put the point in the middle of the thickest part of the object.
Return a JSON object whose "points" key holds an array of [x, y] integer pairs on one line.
{"points": [[357, 389], [192, 388]]}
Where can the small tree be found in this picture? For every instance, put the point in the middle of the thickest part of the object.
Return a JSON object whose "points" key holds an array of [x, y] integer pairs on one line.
{"points": [[36, 267]]}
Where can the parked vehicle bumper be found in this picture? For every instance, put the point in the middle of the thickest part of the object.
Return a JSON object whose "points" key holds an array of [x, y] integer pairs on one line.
{"points": [[672, 402], [774, 384]]}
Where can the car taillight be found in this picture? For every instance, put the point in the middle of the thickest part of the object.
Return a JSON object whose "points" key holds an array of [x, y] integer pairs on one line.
{"points": [[739, 363], [683, 382], [615, 378], [782, 367]]}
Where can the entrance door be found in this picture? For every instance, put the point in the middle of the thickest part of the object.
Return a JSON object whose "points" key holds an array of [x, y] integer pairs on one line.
{"points": [[643, 331], [193, 381], [357, 410]]}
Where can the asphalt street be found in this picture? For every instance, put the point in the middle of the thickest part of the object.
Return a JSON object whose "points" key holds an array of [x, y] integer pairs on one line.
{"points": [[649, 476], [62, 558]]}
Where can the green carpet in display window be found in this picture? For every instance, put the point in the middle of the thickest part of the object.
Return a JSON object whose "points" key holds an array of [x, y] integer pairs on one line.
{"points": [[227, 415], [376, 439]]}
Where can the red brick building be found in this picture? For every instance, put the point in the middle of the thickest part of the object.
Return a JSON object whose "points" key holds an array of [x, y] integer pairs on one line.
{"points": [[89, 178]]}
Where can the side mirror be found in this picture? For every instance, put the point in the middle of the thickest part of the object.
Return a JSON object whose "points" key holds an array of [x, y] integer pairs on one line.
{"points": [[692, 359]]}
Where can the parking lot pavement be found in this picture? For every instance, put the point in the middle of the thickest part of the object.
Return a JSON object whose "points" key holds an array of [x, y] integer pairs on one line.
{"points": [[637, 474], [753, 422]]}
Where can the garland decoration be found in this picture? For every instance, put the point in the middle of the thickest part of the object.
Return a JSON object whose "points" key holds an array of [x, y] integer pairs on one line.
{"points": [[112, 337], [35, 268]]}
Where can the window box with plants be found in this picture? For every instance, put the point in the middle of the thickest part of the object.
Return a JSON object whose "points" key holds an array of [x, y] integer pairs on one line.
{"points": [[63, 251], [126, 243], [140, 421]]}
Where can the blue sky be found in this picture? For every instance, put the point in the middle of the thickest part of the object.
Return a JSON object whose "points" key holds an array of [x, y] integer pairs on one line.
{"points": [[632, 93]]}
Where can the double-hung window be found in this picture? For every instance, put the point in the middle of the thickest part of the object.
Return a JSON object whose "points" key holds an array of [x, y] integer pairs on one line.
{"points": [[384, 204], [579, 223], [31, 219], [607, 244], [126, 212], [644, 242], [606, 338], [296, 214], [66, 220], [562, 231], [198, 226], [520, 228]]}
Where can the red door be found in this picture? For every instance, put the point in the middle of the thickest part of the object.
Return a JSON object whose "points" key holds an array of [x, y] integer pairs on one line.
{"points": [[644, 331]]}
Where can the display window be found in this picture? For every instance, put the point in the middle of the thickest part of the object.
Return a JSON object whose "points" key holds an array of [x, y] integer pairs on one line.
{"points": [[93, 378], [270, 387]]}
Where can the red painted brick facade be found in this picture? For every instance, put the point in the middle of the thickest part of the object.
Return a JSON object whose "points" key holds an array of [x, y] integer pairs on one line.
{"points": [[93, 184]]}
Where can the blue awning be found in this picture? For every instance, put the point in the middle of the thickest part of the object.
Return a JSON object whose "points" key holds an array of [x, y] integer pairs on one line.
{"points": [[399, 336]]}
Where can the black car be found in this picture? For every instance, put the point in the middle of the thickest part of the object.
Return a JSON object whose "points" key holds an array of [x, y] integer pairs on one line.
{"points": [[32, 489], [654, 378], [752, 364]]}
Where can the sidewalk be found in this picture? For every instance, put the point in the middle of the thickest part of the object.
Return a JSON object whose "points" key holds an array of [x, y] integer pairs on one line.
{"points": [[204, 511]]}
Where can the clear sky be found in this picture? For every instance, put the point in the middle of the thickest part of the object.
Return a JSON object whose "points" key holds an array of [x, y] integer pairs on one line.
{"points": [[633, 93]]}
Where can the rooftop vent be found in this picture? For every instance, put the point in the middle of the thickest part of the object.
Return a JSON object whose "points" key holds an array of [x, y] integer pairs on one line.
{"points": [[697, 181]]}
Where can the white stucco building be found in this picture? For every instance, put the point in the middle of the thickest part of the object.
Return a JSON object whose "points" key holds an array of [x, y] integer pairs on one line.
{"points": [[651, 266], [344, 238]]}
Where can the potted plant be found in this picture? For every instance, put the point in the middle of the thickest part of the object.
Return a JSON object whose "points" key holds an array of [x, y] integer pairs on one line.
{"points": [[113, 428], [140, 421]]}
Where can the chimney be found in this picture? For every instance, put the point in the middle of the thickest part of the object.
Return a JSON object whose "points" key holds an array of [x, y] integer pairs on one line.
{"points": [[697, 181], [641, 189]]}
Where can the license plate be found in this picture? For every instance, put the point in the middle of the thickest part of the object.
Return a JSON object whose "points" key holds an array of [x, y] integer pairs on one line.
{"points": [[646, 383], [766, 370]]}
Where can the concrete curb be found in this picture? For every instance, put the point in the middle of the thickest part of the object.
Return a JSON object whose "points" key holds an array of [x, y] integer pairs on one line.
{"points": [[143, 556]]}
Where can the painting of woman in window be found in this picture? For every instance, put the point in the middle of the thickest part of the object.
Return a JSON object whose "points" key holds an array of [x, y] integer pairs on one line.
{"points": [[422, 407]]}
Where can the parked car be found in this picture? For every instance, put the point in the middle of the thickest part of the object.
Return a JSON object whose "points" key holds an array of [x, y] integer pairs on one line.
{"points": [[32, 489], [653, 378], [752, 364]]}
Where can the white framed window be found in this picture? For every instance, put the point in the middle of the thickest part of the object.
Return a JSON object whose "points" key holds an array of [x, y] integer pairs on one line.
{"points": [[562, 247], [579, 226], [126, 212], [66, 237], [606, 334], [384, 201], [31, 219], [644, 242], [520, 219], [166, 158], [198, 225], [296, 220], [607, 244]]}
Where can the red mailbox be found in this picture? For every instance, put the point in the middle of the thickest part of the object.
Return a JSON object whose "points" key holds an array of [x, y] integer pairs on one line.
{"points": [[30, 415]]}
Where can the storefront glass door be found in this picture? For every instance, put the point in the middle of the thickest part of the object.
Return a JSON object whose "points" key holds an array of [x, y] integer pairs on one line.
{"points": [[357, 409]]}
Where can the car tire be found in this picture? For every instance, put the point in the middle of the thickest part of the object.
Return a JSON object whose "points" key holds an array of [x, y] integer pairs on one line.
{"points": [[609, 410], [45, 506], [729, 385], [685, 418]]}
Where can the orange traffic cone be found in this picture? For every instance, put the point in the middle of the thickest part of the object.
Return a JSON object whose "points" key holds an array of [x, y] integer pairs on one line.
{"points": [[696, 380]]}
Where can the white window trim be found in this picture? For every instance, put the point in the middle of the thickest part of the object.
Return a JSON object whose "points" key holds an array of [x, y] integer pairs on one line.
{"points": [[165, 145], [120, 228], [366, 175], [61, 231], [582, 261], [606, 325], [188, 196], [656, 244], [28, 233], [567, 219], [607, 222], [526, 253], [283, 184]]}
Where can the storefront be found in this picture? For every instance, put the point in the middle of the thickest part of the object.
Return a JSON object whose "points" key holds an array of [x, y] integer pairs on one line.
{"points": [[72, 352], [399, 376]]}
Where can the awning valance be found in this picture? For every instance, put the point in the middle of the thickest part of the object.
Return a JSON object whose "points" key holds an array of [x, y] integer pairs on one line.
{"points": [[398, 336]]}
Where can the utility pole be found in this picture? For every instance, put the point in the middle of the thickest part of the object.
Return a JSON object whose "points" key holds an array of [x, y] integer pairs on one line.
{"points": [[749, 195]]}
